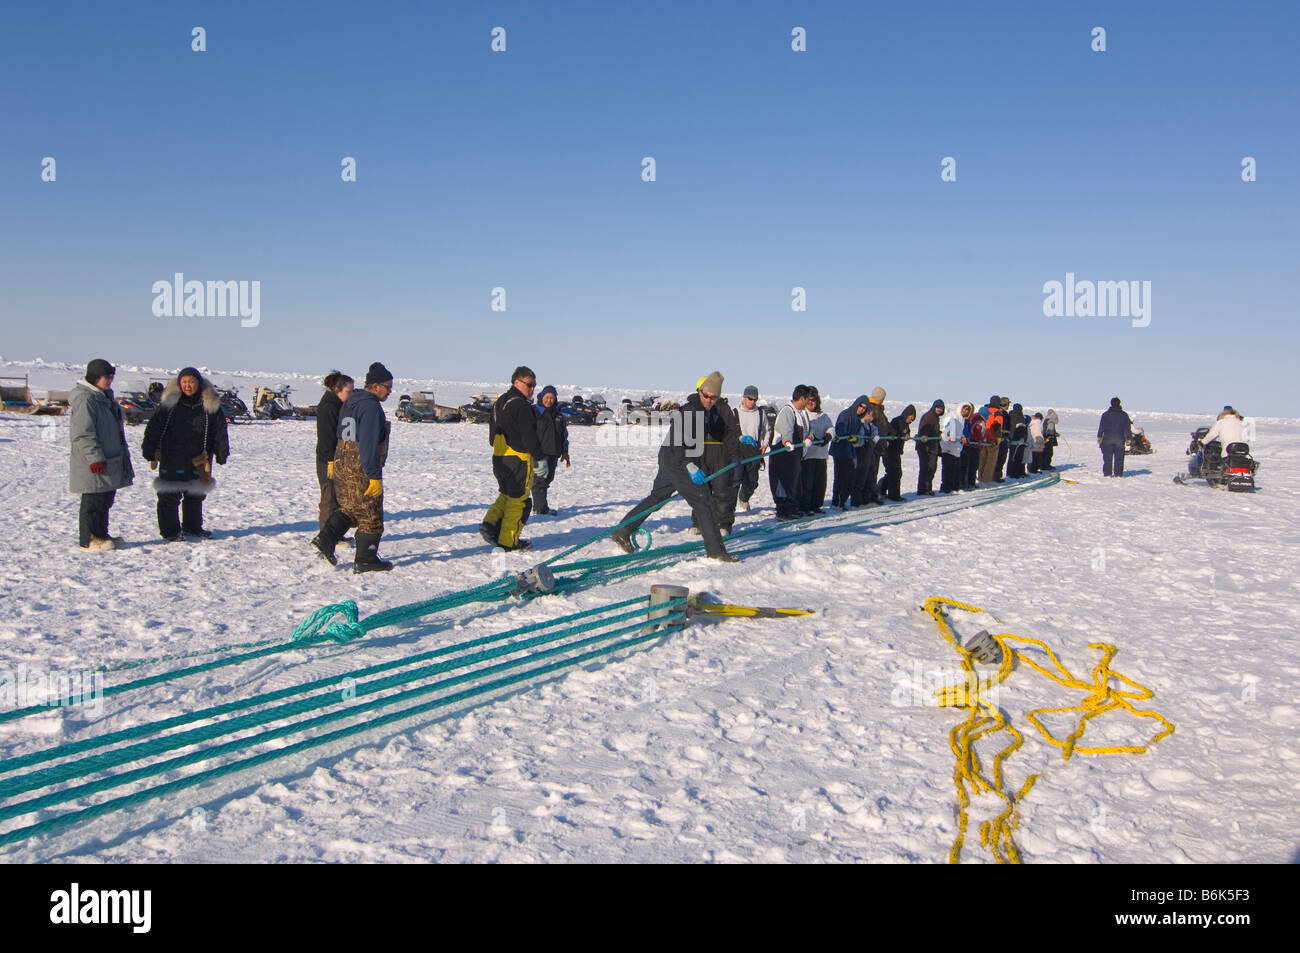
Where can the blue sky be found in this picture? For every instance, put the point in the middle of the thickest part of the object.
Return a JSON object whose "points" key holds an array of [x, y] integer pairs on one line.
{"points": [[775, 169]]}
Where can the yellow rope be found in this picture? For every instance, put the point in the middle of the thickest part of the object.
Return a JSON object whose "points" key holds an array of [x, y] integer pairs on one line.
{"points": [[997, 835]]}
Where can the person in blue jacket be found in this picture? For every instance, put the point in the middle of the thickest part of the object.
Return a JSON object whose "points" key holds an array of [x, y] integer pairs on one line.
{"points": [[553, 434], [1113, 434], [852, 431], [359, 459]]}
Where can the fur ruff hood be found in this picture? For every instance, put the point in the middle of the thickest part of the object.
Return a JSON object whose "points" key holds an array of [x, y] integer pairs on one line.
{"points": [[211, 402]]}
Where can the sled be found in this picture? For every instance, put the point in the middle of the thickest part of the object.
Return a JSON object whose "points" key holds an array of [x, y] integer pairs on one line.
{"points": [[17, 395], [54, 404], [424, 408]]}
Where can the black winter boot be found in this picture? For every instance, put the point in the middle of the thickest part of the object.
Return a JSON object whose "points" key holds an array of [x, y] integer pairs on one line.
{"points": [[623, 540], [328, 538], [367, 559]]}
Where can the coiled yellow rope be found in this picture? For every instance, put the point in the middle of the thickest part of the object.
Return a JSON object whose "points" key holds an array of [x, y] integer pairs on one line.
{"points": [[986, 719]]}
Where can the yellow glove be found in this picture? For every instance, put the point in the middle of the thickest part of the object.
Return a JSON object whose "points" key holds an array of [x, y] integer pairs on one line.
{"points": [[376, 488], [329, 469]]}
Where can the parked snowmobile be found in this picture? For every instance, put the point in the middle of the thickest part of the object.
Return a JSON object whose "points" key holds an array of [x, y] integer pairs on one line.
{"points": [[635, 413], [231, 406], [478, 410], [1232, 469], [136, 406], [424, 409], [578, 412], [271, 404], [1138, 443]]}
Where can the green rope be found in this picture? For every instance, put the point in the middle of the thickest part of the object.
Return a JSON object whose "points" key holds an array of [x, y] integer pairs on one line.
{"points": [[15, 785], [307, 634], [672, 623], [315, 629]]}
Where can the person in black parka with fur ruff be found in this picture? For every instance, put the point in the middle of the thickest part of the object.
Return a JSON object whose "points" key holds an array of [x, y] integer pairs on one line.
{"points": [[184, 436]]}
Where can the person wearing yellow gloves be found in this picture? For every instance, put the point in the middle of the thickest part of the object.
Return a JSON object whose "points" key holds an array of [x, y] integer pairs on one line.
{"points": [[359, 459], [516, 459]]}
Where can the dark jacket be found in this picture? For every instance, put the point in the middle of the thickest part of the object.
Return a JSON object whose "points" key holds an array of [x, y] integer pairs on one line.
{"points": [[1015, 417], [849, 424], [900, 428], [1115, 426], [327, 425], [930, 427], [881, 422], [185, 428], [515, 421], [552, 428], [722, 426], [687, 430], [362, 421]]}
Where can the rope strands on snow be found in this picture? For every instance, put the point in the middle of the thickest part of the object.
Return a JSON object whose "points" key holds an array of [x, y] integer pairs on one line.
{"points": [[984, 719], [12, 786], [317, 628], [559, 646]]}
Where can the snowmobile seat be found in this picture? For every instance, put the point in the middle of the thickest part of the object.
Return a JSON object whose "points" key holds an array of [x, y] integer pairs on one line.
{"points": [[1238, 449]]}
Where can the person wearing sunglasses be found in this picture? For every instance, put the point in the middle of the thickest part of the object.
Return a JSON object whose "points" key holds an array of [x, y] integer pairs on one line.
{"points": [[680, 471], [721, 449], [517, 459]]}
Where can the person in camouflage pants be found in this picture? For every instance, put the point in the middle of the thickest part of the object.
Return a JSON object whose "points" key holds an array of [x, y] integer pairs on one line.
{"points": [[358, 473], [350, 484]]}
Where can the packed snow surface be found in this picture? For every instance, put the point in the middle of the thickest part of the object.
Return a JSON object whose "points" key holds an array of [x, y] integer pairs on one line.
{"points": [[799, 739]]}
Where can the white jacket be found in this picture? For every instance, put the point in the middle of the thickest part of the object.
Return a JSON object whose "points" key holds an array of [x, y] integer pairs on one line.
{"points": [[1226, 430], [953, 425], [1037, 438], [817, 428], [753, 423], [786, 421]]}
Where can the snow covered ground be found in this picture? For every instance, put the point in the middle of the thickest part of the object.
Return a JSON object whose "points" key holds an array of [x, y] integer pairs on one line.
{"points": [[739, 740]]}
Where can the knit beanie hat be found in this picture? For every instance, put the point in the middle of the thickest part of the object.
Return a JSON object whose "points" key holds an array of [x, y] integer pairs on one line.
{"points": [[99, 368], [378, 374], [751, 391], [877, 395], [1114, 403], [712, 383], [190, 372]]}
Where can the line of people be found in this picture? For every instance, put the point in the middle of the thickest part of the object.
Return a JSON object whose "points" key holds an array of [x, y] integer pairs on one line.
{"points": [[528, 440]]}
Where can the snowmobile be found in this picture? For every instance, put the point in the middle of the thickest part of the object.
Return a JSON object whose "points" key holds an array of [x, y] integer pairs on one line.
{"points": [[136, 406], [1138, 443], [232, 408], [271, 404], [424, 409], [593, 410], [638, 412], [478, 410], [577, 412], [1232, 468]]}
